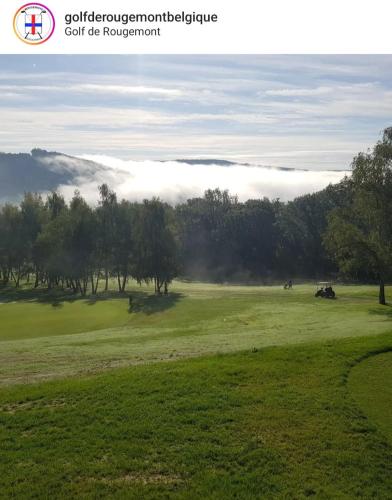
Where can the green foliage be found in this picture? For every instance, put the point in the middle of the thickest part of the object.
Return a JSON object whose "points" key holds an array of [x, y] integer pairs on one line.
{"points": [[223, 239], [359, 234], [73, 246], [156, 247], [302, 224]]}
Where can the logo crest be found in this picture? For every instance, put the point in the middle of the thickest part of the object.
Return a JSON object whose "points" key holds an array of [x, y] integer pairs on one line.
{"points": [[34, 23]]}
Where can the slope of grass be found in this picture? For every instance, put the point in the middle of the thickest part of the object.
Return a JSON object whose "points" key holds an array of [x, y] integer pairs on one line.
{"points": [[46, 335], [27, 313], [371, 384], [276, 423], [289, 411], [26, 320]]}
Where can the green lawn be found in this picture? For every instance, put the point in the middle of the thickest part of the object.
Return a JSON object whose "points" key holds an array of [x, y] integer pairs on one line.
{"points": [[371, 384], [267, 398], [50, 335]]}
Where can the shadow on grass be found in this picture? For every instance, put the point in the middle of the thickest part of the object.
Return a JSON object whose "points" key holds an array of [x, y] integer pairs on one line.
{"points": [[385, 311], [151, 304], [29, 294], [141, 301], [55, 297]]}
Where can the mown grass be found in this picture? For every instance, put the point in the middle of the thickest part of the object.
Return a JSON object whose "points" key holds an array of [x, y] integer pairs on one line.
{"points": [[274, 423], [50, 335], [27, 313], [274, 400], [371, 384]]}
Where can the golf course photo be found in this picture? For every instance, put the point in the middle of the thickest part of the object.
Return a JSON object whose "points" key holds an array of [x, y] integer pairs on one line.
{"points": [[196, 278]]}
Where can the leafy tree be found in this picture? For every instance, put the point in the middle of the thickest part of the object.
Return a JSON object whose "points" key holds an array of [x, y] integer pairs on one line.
{"points": [[205, 234], [12, 245], [156, 257], [360, 235], [79, 243], [252, 236], [55, 204], [106, 217], [123, 242], [34, 217], [301, 226]]}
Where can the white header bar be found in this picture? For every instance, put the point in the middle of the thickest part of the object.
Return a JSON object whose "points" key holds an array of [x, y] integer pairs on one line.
{"points": [[202, 27]]}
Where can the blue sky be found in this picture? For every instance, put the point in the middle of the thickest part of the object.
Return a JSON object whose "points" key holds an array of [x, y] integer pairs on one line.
{"points": [[312, 112]]}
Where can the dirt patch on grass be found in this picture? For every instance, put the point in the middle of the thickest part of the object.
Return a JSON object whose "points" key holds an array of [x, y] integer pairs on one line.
{"points": [[139, 477], [32, 405]]}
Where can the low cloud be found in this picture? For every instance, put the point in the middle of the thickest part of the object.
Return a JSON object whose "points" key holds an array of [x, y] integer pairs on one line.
{"points": [[299, 92], [174, 181]]}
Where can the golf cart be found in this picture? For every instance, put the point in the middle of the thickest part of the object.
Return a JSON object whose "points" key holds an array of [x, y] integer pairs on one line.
{"points": [[324, 290]]}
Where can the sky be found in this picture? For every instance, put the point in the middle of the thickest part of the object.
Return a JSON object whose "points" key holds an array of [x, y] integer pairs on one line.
{"points": [[288, 111], [302, 112]]}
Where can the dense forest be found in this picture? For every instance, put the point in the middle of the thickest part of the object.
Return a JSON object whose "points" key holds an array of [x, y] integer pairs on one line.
{"points": [[214, 237], [344, 228]]}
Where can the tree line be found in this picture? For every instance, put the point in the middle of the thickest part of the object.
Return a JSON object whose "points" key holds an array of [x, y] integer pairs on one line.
{"points": [[345, 228], [74, 246]]}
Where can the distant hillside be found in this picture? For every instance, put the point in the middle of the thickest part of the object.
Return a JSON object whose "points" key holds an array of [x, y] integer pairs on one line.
{"points": [[42, 171], [209, 161], [227, 163], [39, 171]]}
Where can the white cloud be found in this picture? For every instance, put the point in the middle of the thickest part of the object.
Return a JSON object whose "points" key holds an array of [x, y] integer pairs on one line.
{"points": [[125, 89], [298, 92], [175, 181]]}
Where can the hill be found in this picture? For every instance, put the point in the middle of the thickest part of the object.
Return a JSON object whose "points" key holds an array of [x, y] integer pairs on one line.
{"points": [[39, 171]]}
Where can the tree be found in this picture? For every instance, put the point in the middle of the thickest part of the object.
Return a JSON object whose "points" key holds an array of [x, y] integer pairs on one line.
{"points": [[106, 214], [123, 242], [80, 243], [206, 234], [12, 244], [156, 256], [34, 217], [359, 235], [301, 225], [251, 233]]}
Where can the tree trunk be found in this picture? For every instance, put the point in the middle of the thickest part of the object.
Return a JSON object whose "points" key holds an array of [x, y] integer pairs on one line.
{"points": [[158, 286], [92, 284], [17, 280], [6, 276], [96, 284], [74, 286], [124, 282], [381, 295]]}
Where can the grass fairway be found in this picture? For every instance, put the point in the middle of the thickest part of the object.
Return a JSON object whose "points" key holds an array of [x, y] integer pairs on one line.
{"points": [[371, 384], [269, 408], [44, 336]]}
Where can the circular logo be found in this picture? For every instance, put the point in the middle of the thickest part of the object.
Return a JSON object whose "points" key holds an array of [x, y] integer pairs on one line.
{"points": [[34, 23]]}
